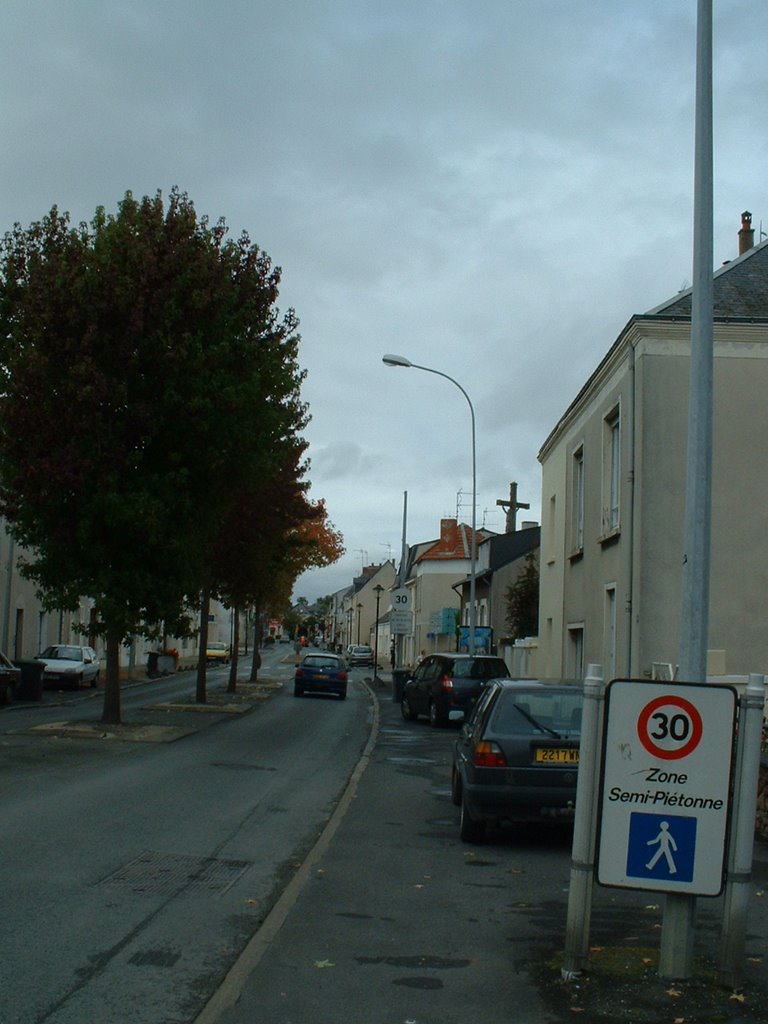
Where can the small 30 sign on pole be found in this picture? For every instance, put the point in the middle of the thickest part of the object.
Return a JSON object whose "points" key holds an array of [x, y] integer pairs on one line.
{"points": [[664, 787]]}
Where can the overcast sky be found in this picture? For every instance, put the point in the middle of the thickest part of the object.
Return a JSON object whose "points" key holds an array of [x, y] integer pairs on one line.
{"points": [[491, 188]]}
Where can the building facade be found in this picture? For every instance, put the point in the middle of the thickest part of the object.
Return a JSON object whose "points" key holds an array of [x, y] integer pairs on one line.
{"points": [[613, 494]]}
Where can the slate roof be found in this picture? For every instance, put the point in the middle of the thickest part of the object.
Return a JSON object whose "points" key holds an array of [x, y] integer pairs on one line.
{"points": [[508, 547], [740, 289]]}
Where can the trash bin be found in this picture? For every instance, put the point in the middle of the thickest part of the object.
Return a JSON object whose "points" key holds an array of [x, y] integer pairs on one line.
{"points": [[399, 676], [152, 659], [30, 685]]}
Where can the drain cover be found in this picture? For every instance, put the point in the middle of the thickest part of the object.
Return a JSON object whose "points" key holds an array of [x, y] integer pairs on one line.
{"points": [[169, 873]]}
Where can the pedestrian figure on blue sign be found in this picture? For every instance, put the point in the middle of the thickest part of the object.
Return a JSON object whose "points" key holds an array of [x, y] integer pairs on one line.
{"points": [[666, 844]]}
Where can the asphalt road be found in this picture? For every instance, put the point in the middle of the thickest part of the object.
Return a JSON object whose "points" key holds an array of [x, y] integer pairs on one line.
{"points": [[134, 873], [301, 864]]}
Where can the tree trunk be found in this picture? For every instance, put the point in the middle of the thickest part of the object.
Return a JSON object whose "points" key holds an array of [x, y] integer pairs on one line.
{"points": [[205, 605], [256, 662], [110, 714], [232, 685]]}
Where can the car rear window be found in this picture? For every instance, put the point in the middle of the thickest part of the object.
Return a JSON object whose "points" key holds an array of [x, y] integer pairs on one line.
{"points": [[318, 661], [531, 712], [490, 668]]}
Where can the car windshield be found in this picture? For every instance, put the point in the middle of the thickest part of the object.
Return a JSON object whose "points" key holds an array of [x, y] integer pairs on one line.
{"points": [[217, 647], [318, 661], [63, 653], [528, 712]]}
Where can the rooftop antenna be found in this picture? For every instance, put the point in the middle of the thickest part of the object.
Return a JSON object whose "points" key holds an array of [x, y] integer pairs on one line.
{"points": [[388, 546], [363, 557]]}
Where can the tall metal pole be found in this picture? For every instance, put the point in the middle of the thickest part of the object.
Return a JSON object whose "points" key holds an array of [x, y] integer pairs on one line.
{"points": [[676, 952], [392, 360]]}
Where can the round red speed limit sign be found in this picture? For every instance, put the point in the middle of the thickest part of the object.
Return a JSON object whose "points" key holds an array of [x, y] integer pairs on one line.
{"points": [[669, 727]]}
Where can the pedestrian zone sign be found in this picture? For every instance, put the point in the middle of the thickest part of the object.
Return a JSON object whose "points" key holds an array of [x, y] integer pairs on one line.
{"points": [[665, 785]]}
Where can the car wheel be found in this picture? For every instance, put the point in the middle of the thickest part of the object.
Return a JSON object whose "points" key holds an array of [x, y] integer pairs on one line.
{"points": [[455, 787], [95, 681], [298, 692], [435, 718], [8, 694], [77, 683], [343, 696], [470, 831], [407, 711]]}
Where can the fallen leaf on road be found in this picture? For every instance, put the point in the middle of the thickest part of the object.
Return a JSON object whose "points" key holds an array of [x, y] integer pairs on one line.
{"points": [[738, 996], [324, 963], [577, 1009], [673, 992]]}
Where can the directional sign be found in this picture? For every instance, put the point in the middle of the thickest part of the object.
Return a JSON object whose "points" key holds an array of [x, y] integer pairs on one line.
{"points": [[665, 784]]}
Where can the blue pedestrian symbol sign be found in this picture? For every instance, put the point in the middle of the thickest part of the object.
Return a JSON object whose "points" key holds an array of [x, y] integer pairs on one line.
{"points": [[661, 846]]}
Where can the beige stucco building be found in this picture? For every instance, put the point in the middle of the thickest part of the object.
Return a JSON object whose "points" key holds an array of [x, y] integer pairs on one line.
{"points": [[613, 493]]}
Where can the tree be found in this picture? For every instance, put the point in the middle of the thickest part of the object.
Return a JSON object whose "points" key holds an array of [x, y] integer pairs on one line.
{"points": [[523, 601], [147, 380]]}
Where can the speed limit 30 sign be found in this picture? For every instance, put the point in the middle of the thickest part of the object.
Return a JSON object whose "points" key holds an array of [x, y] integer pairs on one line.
{"points": [[665, 784]]}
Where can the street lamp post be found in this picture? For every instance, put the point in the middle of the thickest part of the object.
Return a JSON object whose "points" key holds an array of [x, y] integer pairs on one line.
{"points": [[378, 591], [392, 360], [359, 610]]}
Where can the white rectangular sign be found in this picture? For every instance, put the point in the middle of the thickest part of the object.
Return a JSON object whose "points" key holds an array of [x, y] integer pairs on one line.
{"points": [[400, 622], [665, 784]]}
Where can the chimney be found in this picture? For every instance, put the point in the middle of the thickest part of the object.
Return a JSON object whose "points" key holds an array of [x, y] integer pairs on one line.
{"points": [[746, 234]]}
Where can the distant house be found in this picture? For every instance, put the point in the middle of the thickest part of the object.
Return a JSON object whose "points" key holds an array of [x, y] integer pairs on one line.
{"points": [[432, 570], [354, 607], [613, 492], [500, 560]]}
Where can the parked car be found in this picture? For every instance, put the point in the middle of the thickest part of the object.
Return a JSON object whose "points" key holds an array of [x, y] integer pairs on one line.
{"points": [[445, 686], [217, 652], [517, 756], [10, 677], [69, 665], [321, 673], [360, 655]]}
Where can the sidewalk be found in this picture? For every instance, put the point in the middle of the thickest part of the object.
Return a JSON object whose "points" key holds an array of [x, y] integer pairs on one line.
{"points": [[392, 920]]}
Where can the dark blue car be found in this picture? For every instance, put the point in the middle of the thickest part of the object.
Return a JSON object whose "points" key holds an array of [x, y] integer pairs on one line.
{"points": [[321, 673]]}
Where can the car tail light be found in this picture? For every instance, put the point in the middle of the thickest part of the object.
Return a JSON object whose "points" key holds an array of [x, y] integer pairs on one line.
{"points": [[488, 755], [446, 684], [342, 677], [299, 673]]}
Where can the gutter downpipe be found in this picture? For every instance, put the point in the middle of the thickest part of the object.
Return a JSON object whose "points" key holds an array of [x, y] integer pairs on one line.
{"points": [[631, 507]]}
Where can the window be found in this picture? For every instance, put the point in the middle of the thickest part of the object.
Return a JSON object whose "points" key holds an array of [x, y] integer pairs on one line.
{"points": [[575, 653], [577, 498], [611, 472]]}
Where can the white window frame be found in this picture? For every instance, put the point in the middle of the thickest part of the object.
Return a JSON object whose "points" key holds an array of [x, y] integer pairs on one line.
{"points": [[577, 501], [612, 472]]}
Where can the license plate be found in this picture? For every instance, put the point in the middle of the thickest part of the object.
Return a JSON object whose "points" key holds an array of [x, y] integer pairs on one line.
{"points": [[557, 755]]}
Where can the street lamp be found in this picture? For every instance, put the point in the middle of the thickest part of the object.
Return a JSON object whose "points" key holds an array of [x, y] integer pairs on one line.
{"points": [[392, 360], [378, 591], [359, 610]]}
